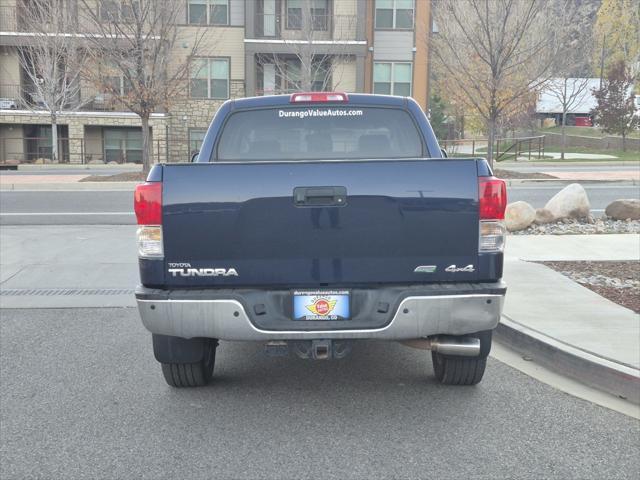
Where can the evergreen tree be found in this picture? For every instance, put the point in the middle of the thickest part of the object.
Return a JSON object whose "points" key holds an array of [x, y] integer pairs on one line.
{"points": [[615, 102], [438, 118]]}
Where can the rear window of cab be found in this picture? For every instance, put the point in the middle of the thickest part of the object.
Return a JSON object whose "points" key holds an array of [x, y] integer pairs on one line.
{"points": [[319, 133]]}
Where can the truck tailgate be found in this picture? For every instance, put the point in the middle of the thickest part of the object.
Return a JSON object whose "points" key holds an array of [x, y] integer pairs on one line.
{"points": [[295, 224]]}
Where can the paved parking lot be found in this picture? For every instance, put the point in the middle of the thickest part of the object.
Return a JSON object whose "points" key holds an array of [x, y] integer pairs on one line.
{"points": [[82, 397]]}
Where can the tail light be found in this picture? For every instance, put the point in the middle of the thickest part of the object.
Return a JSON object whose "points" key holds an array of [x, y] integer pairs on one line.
{"points": [[492, 198], [147, 203], [318, 97]]}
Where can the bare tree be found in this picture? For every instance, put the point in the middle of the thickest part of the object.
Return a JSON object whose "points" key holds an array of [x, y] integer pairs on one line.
{"points": [[310, 62], [571, 68], [135, 39], [568, 92], [52, 60], [495, 52]]}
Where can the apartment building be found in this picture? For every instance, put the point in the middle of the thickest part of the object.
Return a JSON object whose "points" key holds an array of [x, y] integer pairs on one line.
{"points": [[247, 48]]}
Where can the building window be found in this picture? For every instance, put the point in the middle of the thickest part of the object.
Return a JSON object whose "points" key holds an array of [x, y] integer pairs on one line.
{"points": [[208, 12], [210, 78], [318, 14], [117, 84], [196, 136], [391, 78], [118, 11], [394, 14], [320, 71], [123, 145]]}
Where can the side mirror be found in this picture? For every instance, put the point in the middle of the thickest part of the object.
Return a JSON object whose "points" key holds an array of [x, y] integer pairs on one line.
{"points": [[194, 157], [444, 153]]}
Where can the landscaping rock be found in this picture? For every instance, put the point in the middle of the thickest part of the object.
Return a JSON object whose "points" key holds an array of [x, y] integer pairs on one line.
{"points": [[518, 216], [570, 202], [543, 216], [582, 227], [624, 209]]}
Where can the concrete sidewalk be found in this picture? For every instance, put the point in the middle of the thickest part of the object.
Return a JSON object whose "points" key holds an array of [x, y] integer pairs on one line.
{"points": [[629, 175], [566, 326], [573, 247]]}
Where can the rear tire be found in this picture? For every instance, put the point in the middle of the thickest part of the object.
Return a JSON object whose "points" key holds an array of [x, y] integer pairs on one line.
{"points": [[198, 374], [455, 370], [451, 370]]}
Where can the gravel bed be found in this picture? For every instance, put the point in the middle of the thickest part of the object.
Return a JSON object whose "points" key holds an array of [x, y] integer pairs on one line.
{"points": [[616, 281], [587, 226]]}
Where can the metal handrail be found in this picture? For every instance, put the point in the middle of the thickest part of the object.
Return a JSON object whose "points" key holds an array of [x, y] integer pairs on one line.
{"points": [[303, 27], [535, 146]]}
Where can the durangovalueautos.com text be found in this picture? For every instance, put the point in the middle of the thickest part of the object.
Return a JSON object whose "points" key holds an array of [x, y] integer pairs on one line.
{"points": [[320, 112]]}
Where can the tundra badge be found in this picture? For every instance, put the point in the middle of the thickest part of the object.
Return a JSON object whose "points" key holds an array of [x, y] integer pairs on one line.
{"points": [[185, 270]]}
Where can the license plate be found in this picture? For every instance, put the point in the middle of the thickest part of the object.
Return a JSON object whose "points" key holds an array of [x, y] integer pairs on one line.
{"points": [[321, 305]]}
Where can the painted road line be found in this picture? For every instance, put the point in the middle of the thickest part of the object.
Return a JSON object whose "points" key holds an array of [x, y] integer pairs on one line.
{"points": [[41, 214]]}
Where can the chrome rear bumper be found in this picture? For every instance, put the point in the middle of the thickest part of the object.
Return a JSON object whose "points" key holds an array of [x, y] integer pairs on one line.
{"points": [[415, 317]]}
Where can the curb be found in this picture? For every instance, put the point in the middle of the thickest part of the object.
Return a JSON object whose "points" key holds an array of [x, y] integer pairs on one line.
{"points": [[559, 181], [77, 166], [615, 378], [572, 163], [73, 186]]}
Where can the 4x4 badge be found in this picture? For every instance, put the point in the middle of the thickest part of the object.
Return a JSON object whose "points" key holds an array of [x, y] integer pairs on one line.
{"points": [[454, 269]]}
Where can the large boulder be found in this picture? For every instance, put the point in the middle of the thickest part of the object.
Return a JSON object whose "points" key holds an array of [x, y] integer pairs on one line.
{"points": [[570, 202], [624, 209], [518, 216], [543, 216]]}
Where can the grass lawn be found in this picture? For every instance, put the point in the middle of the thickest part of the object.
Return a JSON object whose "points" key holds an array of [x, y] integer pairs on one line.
{"points": [[586, 132]]}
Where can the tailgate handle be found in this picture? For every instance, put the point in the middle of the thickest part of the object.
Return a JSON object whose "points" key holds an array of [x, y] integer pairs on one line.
{"points": [[320, 196]]}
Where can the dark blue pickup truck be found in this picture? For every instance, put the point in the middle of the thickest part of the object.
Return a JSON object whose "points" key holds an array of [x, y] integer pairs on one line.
{"points": [[311, 221]]}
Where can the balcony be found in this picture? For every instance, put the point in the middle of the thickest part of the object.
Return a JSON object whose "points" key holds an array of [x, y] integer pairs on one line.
{"points": [[91, 99], [311, 27], [24, 97], [15, 19]]}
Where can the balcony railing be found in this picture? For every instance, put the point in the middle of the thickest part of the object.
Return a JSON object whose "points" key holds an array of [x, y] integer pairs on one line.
{"points": [[8, 19], [13, 19], [306, 27], [17, 97]]}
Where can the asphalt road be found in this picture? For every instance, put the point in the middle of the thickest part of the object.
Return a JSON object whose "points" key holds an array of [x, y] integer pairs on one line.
{"points": [[82, 397], [72, 170], [115, 207]]}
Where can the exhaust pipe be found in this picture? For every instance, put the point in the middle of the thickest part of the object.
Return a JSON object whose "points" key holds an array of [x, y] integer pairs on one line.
{"points": [[458, 346], [448, 345]]}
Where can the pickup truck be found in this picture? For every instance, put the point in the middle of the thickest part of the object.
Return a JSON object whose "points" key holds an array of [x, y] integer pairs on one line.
{"points": [[311, 221]]}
